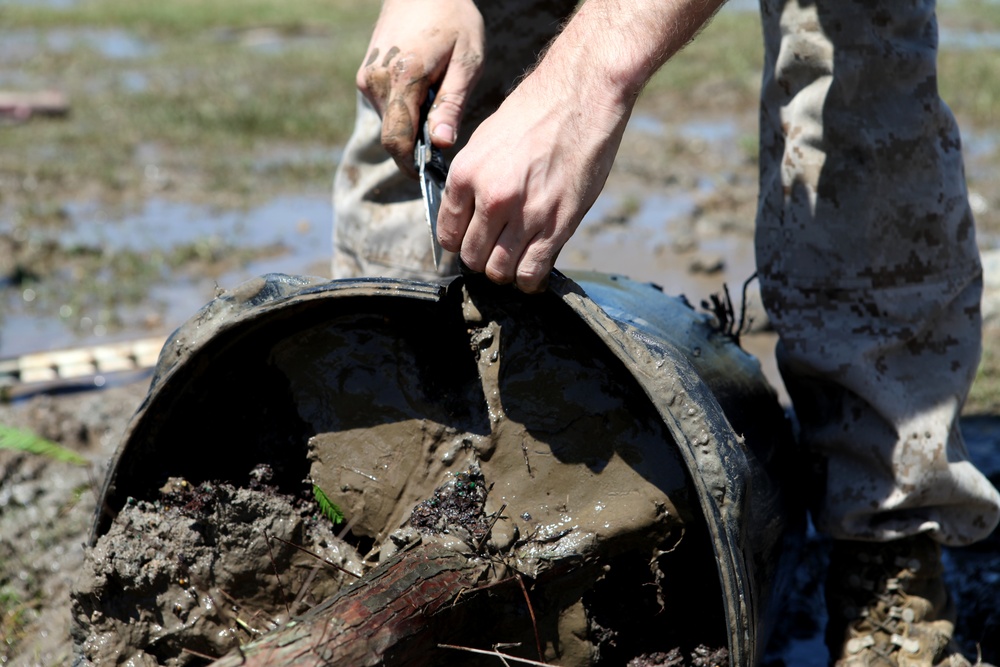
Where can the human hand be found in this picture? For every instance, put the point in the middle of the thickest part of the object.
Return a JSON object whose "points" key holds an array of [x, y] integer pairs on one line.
{"points": [[417, 44], [520, 187]]}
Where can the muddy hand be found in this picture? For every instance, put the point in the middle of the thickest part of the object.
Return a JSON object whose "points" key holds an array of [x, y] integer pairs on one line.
{"points": [[417, 44]]}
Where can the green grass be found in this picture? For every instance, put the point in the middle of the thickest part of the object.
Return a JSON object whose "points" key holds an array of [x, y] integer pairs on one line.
{"points": [[970, 82], [13, 619], [179, 18], [726, 59], [200, 99], [981, 15], [727, 56], [208, 104], [984, 398], [24, 441]]}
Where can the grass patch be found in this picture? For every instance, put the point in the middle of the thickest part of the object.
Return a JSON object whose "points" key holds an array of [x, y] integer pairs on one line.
{"points": [[979, 15], [13, 619], [179, 18], [205, 99], [726, 60], [25, 441], [727, 56], [984, 397], [970, 84]]}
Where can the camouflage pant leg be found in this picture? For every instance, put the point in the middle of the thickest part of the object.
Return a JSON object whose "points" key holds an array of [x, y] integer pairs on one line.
{"points": [[379, 227], [869, 266]]}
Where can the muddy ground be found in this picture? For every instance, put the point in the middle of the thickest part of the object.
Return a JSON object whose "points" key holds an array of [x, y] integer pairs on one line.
{"points": [[678, 211]]}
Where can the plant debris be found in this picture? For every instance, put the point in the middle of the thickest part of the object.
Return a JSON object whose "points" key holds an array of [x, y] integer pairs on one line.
{"points": [[458, 504]]}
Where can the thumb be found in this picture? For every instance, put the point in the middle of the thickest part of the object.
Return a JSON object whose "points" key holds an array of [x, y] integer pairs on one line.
{"points": [[448, 109]]}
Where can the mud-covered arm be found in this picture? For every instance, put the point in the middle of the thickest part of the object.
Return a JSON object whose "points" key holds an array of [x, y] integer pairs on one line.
{"points": [[417, 44], [529, 173]]}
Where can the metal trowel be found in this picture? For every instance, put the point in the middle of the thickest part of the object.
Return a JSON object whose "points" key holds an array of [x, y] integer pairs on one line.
{"points": [[433, 171]]}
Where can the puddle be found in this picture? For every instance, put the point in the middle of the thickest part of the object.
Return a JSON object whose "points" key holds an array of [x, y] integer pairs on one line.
{"points": [[133, 81], [647, 124], [266, 39], [967, 40], [979, 143], [706, 131], [22, 45], [982, 437], [658, 230], [298, 228], [741, 6]]}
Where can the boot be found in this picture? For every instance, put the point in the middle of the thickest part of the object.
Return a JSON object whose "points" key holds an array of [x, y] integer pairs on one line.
{"points": [[889, 607]]}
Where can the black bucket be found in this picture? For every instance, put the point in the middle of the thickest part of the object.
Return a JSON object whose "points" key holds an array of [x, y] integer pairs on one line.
{"points": [[654, 411]]}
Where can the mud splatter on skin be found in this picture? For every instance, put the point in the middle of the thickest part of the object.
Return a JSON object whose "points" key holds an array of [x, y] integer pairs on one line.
{"points": [[399, 133], [396, 87], [392, 53]]}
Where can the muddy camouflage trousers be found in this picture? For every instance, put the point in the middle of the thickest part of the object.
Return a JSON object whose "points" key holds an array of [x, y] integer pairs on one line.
{"points": [[865, 244]]}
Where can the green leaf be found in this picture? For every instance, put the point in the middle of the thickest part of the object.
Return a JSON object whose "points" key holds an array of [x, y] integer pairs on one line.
{"points": [[25, 441], [327, 506]]}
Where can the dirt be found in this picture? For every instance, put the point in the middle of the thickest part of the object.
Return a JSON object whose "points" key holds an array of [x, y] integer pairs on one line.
{"points": [[202, 569], [46, 510]]}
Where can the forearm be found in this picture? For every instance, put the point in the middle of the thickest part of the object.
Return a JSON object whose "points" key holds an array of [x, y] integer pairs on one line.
{"points": [[617, 45]]}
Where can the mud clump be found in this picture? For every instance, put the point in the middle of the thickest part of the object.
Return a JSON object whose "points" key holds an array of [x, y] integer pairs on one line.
{"points": [[701, 656], [456, 506], [195, 572]]}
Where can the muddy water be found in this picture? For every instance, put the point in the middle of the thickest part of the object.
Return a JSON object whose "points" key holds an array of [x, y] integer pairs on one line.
{"points": [[290, 234]]}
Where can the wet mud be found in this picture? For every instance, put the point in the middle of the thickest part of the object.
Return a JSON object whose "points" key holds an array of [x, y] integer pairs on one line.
{"points": [[200, 570], [532, 447]]}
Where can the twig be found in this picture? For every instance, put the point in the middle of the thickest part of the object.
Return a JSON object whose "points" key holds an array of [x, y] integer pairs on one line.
{"points": [[284, 595], [203, 656], [531, 612], [305, 586], [347, 526], [252, 631], [496, 654], [316, 556], [743, 308], [496, 517]]}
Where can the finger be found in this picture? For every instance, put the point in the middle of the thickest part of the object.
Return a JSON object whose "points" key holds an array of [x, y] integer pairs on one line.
{"points": [[399, 134], [446, 117], [480, 239], [506, 254], [532, 275], [449, 106], [373, 79], [457, 206], [408, 86]]}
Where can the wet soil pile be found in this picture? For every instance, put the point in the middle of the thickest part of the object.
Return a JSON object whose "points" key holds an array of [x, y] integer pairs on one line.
{"points": [[202, 569]]}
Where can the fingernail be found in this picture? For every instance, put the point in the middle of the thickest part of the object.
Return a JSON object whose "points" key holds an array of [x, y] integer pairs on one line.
{"points": [[445, 131]]}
